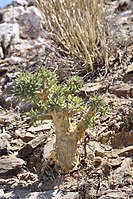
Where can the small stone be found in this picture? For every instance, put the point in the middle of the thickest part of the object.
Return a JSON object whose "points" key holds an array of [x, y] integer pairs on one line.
{"points": [[97, 147], [129, 74], [91, 87], [123, 90], [28, 148], [30, 23], [124, 5], [27, 137], [56, 194], [44, 127], [2, 194], [130, 69], [97, 161], [127, 151], [4, 146], [114, 195], [15, 60]]}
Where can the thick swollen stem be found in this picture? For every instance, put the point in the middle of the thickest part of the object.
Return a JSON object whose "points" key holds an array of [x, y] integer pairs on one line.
{"points": [[67, 138], [66, 144]]}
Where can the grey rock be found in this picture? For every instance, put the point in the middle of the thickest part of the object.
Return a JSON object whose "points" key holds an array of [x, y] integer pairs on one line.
{"points": [[12, 14], [4, 146], [91, 87], [129, 74], [30, 23], [52, 194], [9, 30], [122, 90], [124, 5], [15, 60], [114, 195], [56, 194], [127, 151], [2, 194], [21, 2], [10, 165]]}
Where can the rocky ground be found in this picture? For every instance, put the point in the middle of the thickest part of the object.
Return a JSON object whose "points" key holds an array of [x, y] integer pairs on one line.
{"points": [[106, 168]]}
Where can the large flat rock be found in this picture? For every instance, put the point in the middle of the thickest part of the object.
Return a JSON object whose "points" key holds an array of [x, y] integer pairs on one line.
{"points": [[10, 165]]}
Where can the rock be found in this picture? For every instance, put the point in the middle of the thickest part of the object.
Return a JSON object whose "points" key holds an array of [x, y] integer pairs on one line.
{"points": [[27, 137], [97, 148], [12, 14], [125, 166], [55, 194], [7, 117], [21, 2], [124, 5], [122, 139], [43, 127], [122, 171], [115, 162], [48, 148], [123, 90], [10, 165], [30, 23], [16, 194], [129, 74], [91, 87], [4, 146], [2, 194], [97, 161], [126, 152], [114, 195], [28, 148], [3, 71], [9, 30], [129, 69], [15, 60], [1, 53]]}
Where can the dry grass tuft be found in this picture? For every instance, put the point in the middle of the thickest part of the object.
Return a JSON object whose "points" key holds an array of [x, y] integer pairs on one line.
{"points": [[78, 26]]}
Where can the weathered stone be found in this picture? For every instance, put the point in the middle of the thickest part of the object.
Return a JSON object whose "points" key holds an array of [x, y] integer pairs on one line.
{"points": [[4, 146], [123, 90], [48, 148], [115, 162], [10, 165], [91, 87], [129, 74], [55, 194], [125, 166], [124, 5], [12, 14], [28, 148], [121, 139], [114, 195], [126, 152], [27, 137], [119, 174], [30, 23], [7, 118], [42, 127], [15, 60], [2, 194], [9, 30], [20, 2], [3, 71], [130, 69], [52, 194], [97, 148], [97, 161]]}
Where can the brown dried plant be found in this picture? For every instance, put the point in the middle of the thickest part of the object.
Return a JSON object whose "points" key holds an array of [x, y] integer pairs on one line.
{"points": [[78, 26]]}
